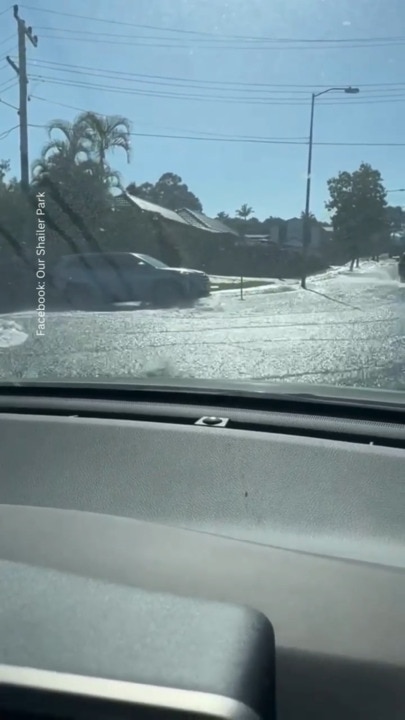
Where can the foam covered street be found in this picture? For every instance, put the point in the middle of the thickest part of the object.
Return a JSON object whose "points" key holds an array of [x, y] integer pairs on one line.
{"points": [[346, 329]]}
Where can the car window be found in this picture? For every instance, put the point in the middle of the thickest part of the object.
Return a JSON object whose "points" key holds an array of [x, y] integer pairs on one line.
{"points": [[127, 262], [152, 261], [250, 152]]}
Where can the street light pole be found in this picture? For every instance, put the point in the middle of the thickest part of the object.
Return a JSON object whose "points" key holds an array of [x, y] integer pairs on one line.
{"points": [[306, 230]]}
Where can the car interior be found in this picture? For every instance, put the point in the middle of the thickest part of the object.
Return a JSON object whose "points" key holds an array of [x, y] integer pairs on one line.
{"points": [[201, 553]]}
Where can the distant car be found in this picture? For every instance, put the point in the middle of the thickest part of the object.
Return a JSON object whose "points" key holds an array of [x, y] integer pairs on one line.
{"points": [[104, 278]]}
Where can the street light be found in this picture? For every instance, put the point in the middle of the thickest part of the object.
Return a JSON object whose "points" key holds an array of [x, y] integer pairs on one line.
{"points": [[306, 225]]}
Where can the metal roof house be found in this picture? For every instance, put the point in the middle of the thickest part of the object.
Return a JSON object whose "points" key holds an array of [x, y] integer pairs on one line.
{"points": [[187, 237], [152, 208], [206, 223], [184, 216]]}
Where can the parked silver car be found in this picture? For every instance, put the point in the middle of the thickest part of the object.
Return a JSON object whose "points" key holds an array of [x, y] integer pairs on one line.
{"points": [[97, 279]]}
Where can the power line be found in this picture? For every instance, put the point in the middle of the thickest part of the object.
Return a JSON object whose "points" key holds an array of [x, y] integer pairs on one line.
{"points": [[175, 45], [223, 139], [10, 37], [65, 82], [3, 102], [182, 130], [168, 82], [272, 142], [7, 132], [10, 50], [280, 43], [309, 87], [257, 101], [202, 33], [8, 85], [235, 139]]}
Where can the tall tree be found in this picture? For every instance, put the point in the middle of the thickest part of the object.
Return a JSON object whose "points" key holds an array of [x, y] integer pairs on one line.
{"points": [[14, 211], [4, 169], [77, 186], [311, 216], [67, 141], [78, 143], [107, 132], [169, 191], [395, 217], [245, 211], [358, 207]]}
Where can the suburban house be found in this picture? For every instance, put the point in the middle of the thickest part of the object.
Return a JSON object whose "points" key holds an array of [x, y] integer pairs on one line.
{"points": [[270, 238], [321, 235], [152, 209], [182, 237], [203, 221]]}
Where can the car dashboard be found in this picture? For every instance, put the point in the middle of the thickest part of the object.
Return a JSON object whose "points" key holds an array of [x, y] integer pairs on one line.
{"points": [[294, 510]]}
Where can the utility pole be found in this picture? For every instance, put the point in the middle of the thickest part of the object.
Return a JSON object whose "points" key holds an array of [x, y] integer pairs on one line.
{"points": [[21, 70]]}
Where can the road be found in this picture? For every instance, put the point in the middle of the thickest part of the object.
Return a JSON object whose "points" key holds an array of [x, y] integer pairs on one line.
{"points": [[347, 329]]}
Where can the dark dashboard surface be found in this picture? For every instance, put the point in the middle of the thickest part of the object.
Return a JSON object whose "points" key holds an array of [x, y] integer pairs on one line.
{"points": [[338, 498], [311, 531]]}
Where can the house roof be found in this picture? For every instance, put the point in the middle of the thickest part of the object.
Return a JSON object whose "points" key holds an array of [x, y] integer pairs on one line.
{"points": [[147, 206], [203, 221], [184, 216]]}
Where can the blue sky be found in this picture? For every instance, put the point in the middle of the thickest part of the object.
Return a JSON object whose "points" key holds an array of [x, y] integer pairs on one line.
{"points": [[220, 69]]}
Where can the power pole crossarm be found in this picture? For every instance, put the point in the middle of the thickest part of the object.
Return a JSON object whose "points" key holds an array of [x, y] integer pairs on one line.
{"points": [[13, 65]]}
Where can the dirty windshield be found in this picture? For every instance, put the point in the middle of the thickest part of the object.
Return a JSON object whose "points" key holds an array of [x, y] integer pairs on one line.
{"points": [[229, 178]]}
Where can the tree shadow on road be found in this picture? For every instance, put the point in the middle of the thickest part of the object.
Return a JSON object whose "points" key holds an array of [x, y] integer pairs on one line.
{"points": [[340, 302]]}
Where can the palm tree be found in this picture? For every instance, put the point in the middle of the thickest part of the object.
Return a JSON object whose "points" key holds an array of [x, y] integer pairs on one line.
{"points": [[78, 143], [223, 215], [107, 132], [245, 211], [310, 215], [68, 147], [73, 143]]}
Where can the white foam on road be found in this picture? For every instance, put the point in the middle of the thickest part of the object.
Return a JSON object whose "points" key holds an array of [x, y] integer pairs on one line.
{"points": [[368, 270], [11, 334], [226, 300], [268, 288]]}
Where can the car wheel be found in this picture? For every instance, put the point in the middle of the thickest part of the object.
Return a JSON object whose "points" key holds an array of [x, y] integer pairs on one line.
{"points": [[167, 294]]}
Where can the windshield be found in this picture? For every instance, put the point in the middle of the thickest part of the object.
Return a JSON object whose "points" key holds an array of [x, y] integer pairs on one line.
{"points": [[256, 143], [152, 261]]}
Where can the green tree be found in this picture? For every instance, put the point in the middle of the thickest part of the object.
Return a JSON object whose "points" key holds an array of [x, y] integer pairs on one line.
{"points": [[4, 169], [13, 213], [68, 141], [358, 206], [395, 217], [169, 191], [77, 187], [311, 216], [84, 142], [223, 215], [144, 191], [244, 212], [106, 132]]}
